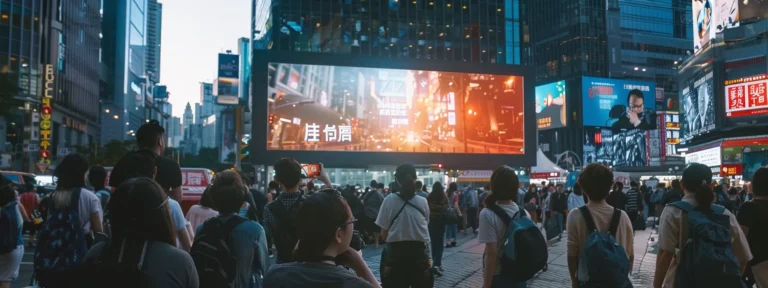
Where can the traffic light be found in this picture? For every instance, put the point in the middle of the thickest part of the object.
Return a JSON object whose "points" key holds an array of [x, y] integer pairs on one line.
{"points": [[271, 119]]}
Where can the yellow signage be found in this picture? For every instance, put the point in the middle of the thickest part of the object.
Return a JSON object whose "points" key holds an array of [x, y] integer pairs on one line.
{"points": [[45, 116]]}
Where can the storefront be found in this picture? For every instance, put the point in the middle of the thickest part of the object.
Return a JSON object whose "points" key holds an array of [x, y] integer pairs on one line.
{"points": [[725, 157]]}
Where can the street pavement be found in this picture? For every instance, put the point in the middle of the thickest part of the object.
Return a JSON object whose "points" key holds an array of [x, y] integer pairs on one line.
{"points": [[463, 264]]}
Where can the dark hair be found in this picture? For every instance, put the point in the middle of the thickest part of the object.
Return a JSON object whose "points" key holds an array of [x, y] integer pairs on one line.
{"points": [[206, 200], [697, 179], [577, 189], [676, 185], [438, 194], [134, 164], [317, 221], [148, 134], [97, 176], [374, 184], [637, 93], [760, 182], [7, 194], [619, 186], [139, 210], [70, 172], [504, 184], [405, 176], [487, 187], [559, 186], [380, 186], [273, 186], [596, 181], [228, 192], [633, 184], [452, 189], [288, 172], [419, 185]]}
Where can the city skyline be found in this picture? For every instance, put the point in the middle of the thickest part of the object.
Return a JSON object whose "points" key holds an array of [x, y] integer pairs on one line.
{"points": [[188, 35]]}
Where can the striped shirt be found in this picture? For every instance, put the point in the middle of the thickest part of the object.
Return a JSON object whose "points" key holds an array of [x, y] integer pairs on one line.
{"points": [[633, 197]]}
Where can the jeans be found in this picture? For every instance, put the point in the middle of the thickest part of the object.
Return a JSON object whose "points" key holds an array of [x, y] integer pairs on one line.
{"points": [[500, 282], [450, 231], [557, 217], [472, 218], [436, 232]]}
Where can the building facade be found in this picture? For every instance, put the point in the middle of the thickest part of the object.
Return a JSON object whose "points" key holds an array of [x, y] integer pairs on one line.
{"points": [[483, 31], [154, 36], [126, 91]]}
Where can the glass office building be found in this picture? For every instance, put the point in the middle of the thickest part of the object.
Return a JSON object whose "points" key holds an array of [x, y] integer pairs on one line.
{"points": [[486, 31]]}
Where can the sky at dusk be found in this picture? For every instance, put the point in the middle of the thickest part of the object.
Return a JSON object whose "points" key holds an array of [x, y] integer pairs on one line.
{"points": [[194, 32]]}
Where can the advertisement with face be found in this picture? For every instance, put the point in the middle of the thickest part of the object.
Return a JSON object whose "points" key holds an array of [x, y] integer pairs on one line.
{"points": [[727, 14], [746, 96], [753, 9], [624, 149], [619, 104], [340, 108], [698, 106], [550, 106], [702, 23]]}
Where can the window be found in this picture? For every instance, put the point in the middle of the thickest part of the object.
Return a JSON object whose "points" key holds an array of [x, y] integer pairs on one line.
{"points": [[81, 37]]}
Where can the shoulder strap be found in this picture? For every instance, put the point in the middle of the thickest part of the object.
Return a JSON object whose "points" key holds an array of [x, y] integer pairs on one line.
{"points": [[615, 221], [231, 223], [74, 202], [682, 205], [397, 215], [503, 215], [588, 219]]}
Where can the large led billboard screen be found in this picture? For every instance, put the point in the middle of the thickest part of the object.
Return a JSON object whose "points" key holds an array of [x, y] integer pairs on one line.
{"points": [[752, 162], [753, 9], [746, 96], [619, 104], [632, 148], [355, 110], [702, 23], [337, 108], [550, 105], [698, 99]]}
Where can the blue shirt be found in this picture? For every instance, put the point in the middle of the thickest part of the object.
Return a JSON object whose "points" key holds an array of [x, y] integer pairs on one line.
{"points": [[179, 222], [250, 246], [422, 194], [575, 201], [16, 215]]}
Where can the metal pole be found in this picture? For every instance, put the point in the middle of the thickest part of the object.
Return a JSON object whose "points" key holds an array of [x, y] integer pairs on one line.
{"points": [[238, 136]]}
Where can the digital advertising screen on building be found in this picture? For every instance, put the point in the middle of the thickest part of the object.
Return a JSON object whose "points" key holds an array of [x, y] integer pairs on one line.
{"points": [[334, 108], [619, 104], [551, 106], [698, 102], [632, 148], [746, 96], [752, 162]]}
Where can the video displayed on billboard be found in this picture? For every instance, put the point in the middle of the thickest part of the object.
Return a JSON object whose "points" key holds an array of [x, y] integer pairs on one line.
{"points": [[633, 148], [702, 23], [698, 100], [746, 96], [753, 9], [550, 106], [619, 104], [727, 14], [340, 108], [752, 162]]}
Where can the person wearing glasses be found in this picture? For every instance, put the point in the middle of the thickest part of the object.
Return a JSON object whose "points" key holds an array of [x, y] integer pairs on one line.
{"points": [[634, 116], [325, 229], [142, 251]]}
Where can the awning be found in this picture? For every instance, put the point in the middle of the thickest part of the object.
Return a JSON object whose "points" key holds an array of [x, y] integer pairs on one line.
{"points": [[544, 165]]}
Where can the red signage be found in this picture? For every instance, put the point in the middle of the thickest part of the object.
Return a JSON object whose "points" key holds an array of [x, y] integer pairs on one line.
{"points": [[545, 175], [730, 169], [747, 96]]}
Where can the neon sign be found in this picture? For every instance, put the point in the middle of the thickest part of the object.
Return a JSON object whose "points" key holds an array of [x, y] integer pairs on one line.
{"points": [[45, 116]]}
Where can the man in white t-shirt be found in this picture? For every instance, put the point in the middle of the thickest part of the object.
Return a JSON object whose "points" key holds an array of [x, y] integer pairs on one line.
{"points": [[595, 181]]}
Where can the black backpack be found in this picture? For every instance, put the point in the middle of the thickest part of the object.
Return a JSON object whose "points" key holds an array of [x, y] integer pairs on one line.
{"points": [[284, 235], [523, 249], [9, 228], [215, 262]]}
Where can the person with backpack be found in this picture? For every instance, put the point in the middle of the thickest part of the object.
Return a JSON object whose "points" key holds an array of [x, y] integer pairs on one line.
{"points": [[280, 215], [142, 250], [238, 245], [454, 211], [700, 243], [751, 217], [11, 242], [97, 177], [74, 214], [371, 205], [471, 203], [507, 230], [600, 238], [324, 224], [438, 203], [403, 219], [635, 206]]}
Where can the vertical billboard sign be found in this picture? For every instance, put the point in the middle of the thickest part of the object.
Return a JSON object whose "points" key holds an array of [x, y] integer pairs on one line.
{"points": [[227, 83], [727, 14], [550, 106], [746, 96], [703, 19], [45, 117], [619, 104], [753, 9], [697, 96]]}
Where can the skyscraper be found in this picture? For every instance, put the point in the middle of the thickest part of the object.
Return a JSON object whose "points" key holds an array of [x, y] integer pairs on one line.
{"points": [[154, 36], [484, 31], [206, 99], [188, 119]]}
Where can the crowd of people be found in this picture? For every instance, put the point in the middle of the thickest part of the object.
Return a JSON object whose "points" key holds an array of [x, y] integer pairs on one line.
{"points": [[134, 234]]}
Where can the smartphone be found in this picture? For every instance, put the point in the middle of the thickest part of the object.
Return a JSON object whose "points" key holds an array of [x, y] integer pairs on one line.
{"points": [[310, 170]]}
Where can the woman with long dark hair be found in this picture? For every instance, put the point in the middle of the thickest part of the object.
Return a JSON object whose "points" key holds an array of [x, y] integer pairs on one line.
{"points": [[452, 228], [403, 220], [697, 185], [142, 251], [437, 204], [324, 224]]}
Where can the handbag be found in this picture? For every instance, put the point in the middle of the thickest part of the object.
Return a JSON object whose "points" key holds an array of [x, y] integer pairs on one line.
{"points": [[450, 215]]}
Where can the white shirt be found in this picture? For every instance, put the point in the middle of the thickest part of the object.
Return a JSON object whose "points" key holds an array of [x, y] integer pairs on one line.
{"points": [[602, 214], [492, 228], [411, 225], [669, 237]]}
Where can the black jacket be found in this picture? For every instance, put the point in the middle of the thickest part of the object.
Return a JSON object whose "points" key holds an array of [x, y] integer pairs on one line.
{"points": [[617, 199]]}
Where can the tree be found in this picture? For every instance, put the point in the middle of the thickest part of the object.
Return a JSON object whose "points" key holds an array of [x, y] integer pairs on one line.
{"points": [[9, 89]]}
